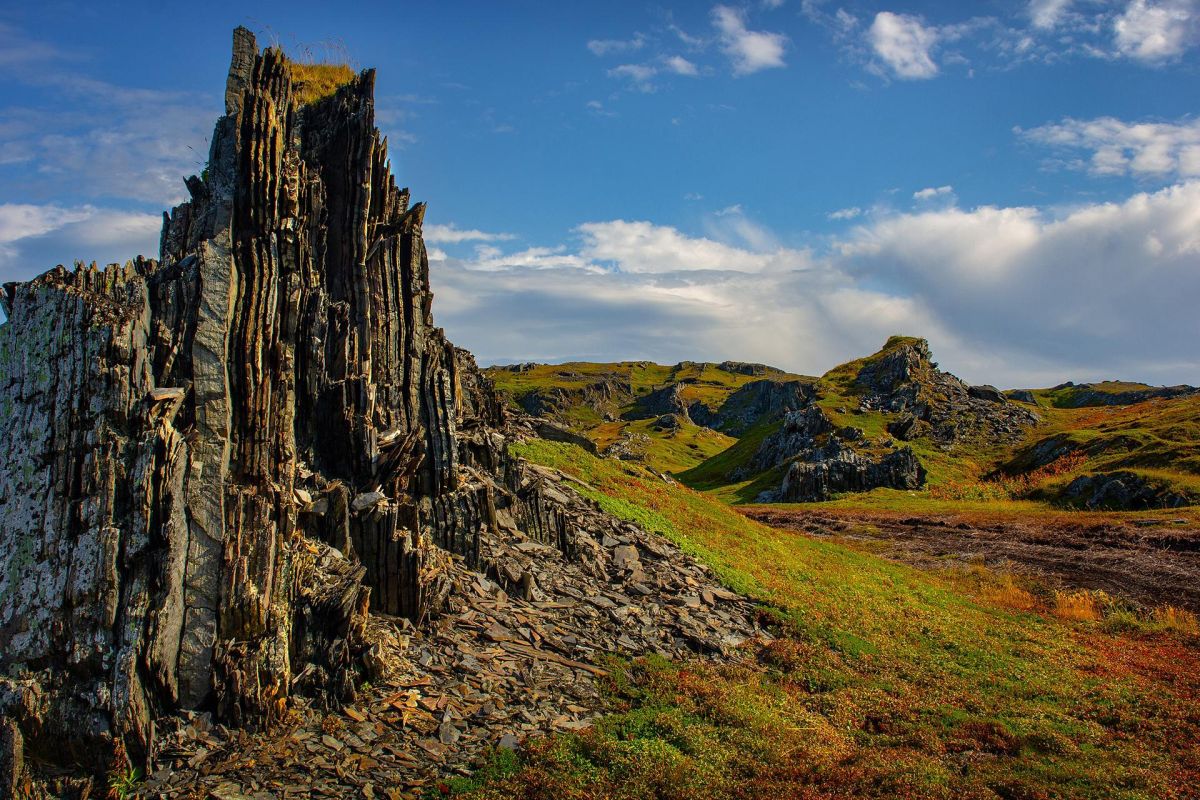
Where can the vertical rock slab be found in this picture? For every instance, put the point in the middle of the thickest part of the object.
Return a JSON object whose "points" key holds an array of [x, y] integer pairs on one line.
{"points": [[91, 522], [217, 460]]}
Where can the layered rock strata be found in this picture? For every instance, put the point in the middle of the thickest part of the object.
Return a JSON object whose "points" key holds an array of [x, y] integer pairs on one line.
{"points": [[219, 460]]}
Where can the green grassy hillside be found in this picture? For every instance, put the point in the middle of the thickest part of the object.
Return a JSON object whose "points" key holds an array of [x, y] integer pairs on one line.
{"points": [[1157, 439], [608, 403], [884, 682]]}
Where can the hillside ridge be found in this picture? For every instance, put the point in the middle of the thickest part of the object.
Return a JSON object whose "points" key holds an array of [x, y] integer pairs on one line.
{"points": [[889, 420]]}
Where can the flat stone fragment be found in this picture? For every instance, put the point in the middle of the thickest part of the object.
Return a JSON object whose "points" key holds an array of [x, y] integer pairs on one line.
{"points": [[366, 501]]}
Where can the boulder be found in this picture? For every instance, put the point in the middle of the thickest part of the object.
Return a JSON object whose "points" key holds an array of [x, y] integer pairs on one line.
{"points": [[843, 470], [1123, 491], [989, 393], [553, 432]]}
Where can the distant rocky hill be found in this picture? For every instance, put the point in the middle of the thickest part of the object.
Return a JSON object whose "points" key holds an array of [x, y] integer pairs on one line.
{"points": [[893, 419], [729, 396], [1105, 393]]}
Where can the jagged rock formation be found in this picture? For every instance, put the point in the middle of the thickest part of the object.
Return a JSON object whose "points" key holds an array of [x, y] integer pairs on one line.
{"points": [[755, 403], [604, 396], [799, 433], [748, 368], [715, 396], [904, 380], [836, 468], [218, 460], [667, 399], [824, 461], [1123, 491], [515, 653], [917, 402]]}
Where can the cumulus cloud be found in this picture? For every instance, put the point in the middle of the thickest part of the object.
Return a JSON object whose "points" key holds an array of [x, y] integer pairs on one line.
{"points": [[749, 51], [1109, 146], [113, 142], [602, 47], [934, 193], [681, 66], [1105, 288], [1157, 31], [34, 238], [451, 234], [640, 76], [1015, 296], [643, 247], [904, 44], [845, 213], [1046, 14]]}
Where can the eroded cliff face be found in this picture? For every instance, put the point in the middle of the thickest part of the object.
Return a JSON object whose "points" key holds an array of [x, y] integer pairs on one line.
{"points": [[216, 461]]}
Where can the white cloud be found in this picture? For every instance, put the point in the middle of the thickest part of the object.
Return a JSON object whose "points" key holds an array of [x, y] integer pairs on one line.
{"points": [[34, 238], [845, 213], [22, 220], [1046, 14], [643, 247], [99, 140], [749, 51], [934, 193], [907, 46], [1012, 296], [489, 258], [681, 66], [1157, 31], [603, 47], [19, 49], [1106, 287], [640, 76], [597, 108], [451, 234], [1165, 150], [904, 43]]}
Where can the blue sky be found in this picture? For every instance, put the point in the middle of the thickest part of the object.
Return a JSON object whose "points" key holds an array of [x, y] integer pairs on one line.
{"points": [[780, 181]]}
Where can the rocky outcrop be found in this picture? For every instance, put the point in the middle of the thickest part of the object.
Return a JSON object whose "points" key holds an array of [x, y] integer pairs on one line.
{"points": [[667, 399], [825, 461], [835, 469], [903, 379], [755, 403], [603, 396], [747, 368], [798, 435], [1114, 393], [1123, 491], [216, 462], [1022, 396], [988, 393], [897, 370], [516, 654]]}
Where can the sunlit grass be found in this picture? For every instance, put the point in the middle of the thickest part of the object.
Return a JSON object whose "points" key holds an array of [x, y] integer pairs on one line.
{"points": [[885, 681], [312, 82]]}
